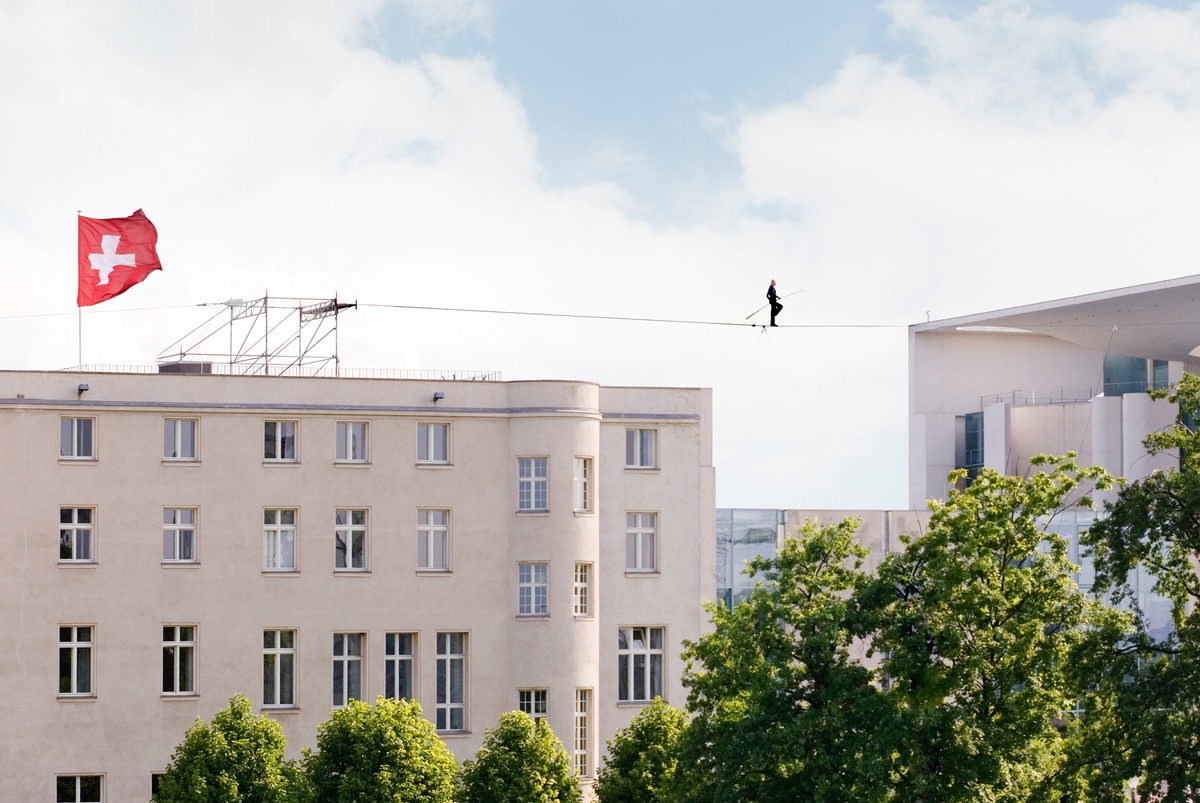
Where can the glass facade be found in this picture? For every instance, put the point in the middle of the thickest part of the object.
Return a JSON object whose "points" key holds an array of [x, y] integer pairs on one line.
{"points": [[742, 534]]}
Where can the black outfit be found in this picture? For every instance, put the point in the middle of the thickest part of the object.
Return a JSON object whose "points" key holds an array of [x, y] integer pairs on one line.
{"points": [[776, 307]]}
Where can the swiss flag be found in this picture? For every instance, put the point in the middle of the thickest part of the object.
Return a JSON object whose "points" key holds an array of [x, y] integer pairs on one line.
{"points": [[114, 255]]}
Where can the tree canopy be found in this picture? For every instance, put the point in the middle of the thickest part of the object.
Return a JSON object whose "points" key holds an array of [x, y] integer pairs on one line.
{"points": [[642, 756], [379, 754], [237, 759], [521, 761]]}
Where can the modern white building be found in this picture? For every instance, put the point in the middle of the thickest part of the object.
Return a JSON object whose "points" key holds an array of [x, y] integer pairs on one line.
{"points": [[996, 388], [480, 546]]}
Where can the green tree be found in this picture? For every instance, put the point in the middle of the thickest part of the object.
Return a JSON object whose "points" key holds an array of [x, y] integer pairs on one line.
{"points": [[642, 756], [237, 759], [781, 710], [379, 754], [976, 622], [1150, 728], [521, 761]]}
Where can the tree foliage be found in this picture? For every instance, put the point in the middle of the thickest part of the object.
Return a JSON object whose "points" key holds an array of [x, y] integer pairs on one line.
{"points": [[977, 621], [237, 759], [521, 761], [780, 709], [376, 754], [1152, 680], [642, 756]]}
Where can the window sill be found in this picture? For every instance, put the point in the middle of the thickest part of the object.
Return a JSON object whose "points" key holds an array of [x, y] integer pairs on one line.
{"points": [[533, 617], [351, 464], [585, 617], [545, 512], [434, 572], [281, 572], [643, 469], [351, 573], [280, 709], [452, 734], [434, 465], [181, 461], [187, 695], [639, 573], [281, 462], [584, 513], [76, 698], [181, 564], [636, 703], [77, 461], [77, 564]]}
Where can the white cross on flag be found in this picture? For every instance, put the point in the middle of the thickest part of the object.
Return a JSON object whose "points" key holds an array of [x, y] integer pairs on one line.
{"points": [[114, 255]]}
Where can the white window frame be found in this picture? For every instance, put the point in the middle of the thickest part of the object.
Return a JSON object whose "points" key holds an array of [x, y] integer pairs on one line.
{"points": [[533, 588], [350, 528], [348, 651], [278, 534], [583, 602], [279, 665], [78, 794], [582, 485], [532, 703], [431, 533], [582, 753], [452, 678], [179, 660], [177, 531], [400, 662], [533, 484], [636, 678], [282, 445], [175, 442], [78, 537], [73, 645], [641, 448], [77, 437], [641, 542], [433, 443], [353, 442]]}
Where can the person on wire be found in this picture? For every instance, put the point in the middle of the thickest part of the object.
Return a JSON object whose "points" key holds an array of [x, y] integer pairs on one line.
{"points": [[773, 297]]}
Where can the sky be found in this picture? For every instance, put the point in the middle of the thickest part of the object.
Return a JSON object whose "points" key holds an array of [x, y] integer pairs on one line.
{"points": [[887, 163]]}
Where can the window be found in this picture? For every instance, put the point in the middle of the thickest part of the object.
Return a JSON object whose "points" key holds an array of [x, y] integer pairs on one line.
{"points": [[582, 486], [75, 438], [347, 667], [433, 540], [583, 732], [639, 664], [279, 667], [279, 540], [75, 534], [351, 442], [583, 589], [179, 659], [279, 440], [433, 443], [640, 451], [451, 681], [641, 542], [75, 660], [532, 702], [533, 589], [78, 788], [350, 540], [532, 483], [179, 535], [179, 438], [398, 666]]}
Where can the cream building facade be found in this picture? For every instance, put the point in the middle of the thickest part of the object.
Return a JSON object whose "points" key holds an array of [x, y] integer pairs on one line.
{"points": [[479, 546]]}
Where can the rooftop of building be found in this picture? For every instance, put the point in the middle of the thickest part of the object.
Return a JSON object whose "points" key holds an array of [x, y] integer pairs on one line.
{"points": [[1159, 320]]}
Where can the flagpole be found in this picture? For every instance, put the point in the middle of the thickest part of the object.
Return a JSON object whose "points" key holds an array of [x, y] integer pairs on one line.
{"points": [[79, 328]]}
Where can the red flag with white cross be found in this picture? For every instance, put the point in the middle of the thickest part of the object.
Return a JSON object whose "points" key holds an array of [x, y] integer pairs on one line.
{"points": [[114, 255]]}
